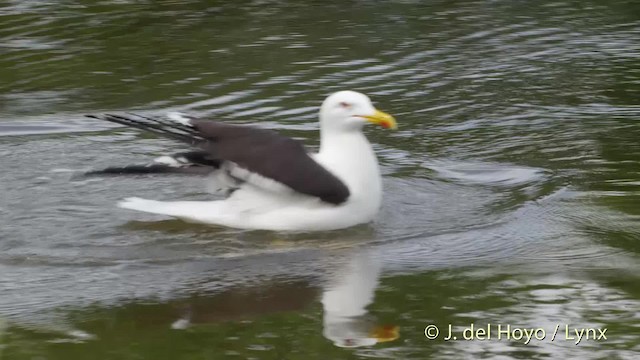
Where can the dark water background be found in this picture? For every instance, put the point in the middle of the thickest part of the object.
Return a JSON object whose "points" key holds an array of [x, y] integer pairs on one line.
{"points": [[511, 189]]}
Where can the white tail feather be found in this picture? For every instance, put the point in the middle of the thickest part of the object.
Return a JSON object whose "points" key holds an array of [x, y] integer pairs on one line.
{"points": [[192, 211]]}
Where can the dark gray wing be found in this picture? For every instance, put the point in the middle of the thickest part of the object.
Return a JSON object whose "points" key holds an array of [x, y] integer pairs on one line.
{"points": [[259, 151]]}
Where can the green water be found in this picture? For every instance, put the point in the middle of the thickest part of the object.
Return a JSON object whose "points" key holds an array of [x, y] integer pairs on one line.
{"points": [[512, 187]]}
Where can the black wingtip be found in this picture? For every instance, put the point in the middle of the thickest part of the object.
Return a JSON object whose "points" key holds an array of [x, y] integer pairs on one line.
{"points": [[169, 129], [131, 170], [149, 169]]}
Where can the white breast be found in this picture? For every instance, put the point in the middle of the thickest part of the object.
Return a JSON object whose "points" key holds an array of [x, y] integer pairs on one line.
{"points": [[351, 158]]}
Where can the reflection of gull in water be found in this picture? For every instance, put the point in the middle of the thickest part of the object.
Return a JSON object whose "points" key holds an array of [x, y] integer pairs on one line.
{"points": [[345, 299], [243, 303]]}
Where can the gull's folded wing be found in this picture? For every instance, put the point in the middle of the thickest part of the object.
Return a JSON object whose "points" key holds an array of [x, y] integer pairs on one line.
{"points": [[249, 152]]}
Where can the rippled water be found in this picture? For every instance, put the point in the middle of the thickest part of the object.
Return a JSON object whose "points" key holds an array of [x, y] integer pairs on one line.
{"points": [[511, 188]]}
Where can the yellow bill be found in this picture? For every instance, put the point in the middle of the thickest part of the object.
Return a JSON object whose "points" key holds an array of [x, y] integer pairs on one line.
{"points": [[383, 119]]}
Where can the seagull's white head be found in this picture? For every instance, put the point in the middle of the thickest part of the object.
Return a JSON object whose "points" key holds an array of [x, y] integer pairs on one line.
{"points": [[350, 111]]}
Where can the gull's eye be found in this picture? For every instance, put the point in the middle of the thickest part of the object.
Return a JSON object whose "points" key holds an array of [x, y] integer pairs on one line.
{"points": [[345, 105]]}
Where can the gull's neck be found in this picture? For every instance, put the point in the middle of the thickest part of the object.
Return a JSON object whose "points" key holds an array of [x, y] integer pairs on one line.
{"points": [[346, 147], [349, 155]]}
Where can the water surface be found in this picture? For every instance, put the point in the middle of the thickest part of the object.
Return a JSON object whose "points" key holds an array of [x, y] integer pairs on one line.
{"points": [[511, 188]]}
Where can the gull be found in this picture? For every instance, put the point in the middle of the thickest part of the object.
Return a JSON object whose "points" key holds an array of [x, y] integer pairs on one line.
{"points": [[272, 182]]}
